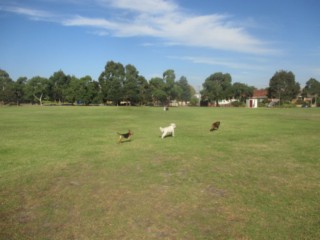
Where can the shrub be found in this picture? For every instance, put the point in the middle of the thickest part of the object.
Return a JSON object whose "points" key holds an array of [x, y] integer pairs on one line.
{"points": [[238, 104]]}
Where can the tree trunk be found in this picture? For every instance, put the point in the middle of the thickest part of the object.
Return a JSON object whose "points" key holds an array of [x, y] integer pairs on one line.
{"points": [[39, 98]]}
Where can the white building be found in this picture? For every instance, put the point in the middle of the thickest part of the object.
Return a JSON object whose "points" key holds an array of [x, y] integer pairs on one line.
{"points": [[252, 103]]}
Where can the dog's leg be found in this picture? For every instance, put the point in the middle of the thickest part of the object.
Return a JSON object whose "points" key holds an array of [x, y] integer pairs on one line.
{"points": [[163, 134]]}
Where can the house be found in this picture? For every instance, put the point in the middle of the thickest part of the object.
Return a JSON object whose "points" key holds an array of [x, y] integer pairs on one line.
{"points": [[260, 94]]}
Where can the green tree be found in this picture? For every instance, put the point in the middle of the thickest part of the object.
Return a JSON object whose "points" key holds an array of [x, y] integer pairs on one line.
{"points": [[283, 86], [59, 86], [111, 82], [187, 90], [19, 89], [157, 91], [6, 88], [169, 80], [143, 86], [312, 89], [131, 85], [242, 91], [217, 87], [37, 89], [83, 91], [89, 91], [73, 90]]}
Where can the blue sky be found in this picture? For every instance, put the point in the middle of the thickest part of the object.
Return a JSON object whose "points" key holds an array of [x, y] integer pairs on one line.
{"points": [[250, 39]]}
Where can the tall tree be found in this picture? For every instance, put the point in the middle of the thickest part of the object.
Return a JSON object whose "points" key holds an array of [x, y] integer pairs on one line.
{"points": [[37, 89], [186, 89], [283, 86], [242, 91], [217, 87], [19, 91], [111, 82], [130, 85], [89, 90], [59, 83], [143, 86], [312, 89], [169, 80], [6, 87], [158, 91], [73, 90]]}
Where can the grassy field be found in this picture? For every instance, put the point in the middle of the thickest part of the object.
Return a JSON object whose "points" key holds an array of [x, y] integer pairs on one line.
{"points": [[64, 176]]}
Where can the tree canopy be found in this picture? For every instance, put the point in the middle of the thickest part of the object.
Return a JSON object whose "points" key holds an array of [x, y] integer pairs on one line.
{"points": [[283, 86], [6, 87], [312, 88], [242, 91], [119, 84], [217, 87]]}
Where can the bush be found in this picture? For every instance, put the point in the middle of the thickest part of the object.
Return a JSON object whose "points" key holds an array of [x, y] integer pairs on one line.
{"points": [[238, 104], [194, 101], [288, 105]]}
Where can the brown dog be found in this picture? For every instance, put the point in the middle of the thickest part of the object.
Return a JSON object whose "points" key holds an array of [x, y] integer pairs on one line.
{"points": [[125, 136], [215, 126]]}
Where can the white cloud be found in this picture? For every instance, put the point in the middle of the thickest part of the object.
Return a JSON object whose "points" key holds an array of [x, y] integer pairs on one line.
{"points": [[91, 22], [221, 62], [101, 33], [164, 20], [33, 13], [211, 31], [142, 6]]}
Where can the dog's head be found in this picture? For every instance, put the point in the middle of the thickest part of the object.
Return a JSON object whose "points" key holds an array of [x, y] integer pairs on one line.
{"points": [[173, 125]]}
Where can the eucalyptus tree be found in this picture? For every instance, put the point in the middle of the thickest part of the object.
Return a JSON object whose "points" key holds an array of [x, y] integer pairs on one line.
{"points": [[143, 86], [111, 82], [283, 86], [59, 83], [217, 87], [312, 88], [187, 91], [6, 88], [242, 91], [73, 90], [36, 89], [158, 91], [169, 80], [19, 89], [131, 85], [89, 91]]}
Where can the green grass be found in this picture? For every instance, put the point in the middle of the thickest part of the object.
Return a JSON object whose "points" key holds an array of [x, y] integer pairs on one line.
{"points": [[63, 175]]}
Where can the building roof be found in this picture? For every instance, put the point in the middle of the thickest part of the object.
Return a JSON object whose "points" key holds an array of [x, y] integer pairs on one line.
{"points": [[260, 93]]}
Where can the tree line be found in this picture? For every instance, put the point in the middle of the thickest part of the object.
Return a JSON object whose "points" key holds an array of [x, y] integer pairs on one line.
{"points": [[282, 86], [119, 84]]}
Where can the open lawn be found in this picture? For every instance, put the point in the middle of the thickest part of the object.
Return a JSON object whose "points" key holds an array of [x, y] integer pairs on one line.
{"points": [[64, 176]]}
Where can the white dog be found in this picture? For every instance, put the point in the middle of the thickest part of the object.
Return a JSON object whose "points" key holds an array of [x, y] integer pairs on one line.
{"points": [[166, 131]]}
